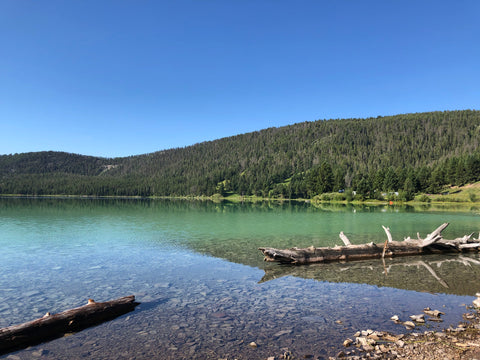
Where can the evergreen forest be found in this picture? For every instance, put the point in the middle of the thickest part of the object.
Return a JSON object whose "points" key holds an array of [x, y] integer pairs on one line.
{"points": [[372, 158]]}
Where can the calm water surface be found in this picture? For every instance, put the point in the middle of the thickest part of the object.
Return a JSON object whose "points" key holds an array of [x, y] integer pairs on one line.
{"points": [[204, 289]]}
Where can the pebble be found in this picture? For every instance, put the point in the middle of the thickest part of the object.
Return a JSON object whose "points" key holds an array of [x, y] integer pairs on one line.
{"points": [[409, 325], [383, 348], [282, 332], [253, 345], [435, 313], [348, 342], [418, 318], [39, 353]]}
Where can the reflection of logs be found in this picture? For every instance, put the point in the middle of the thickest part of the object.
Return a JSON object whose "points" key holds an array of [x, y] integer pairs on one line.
{"points": [[451, 274], [52, 326], [433, 243], [430, 270]]}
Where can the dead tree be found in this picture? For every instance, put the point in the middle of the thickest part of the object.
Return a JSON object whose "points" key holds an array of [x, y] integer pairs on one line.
{"points": [[433, 243]]}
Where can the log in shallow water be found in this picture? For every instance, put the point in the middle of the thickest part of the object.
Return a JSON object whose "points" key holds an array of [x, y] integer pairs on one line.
{"points": [[433, 243], [53, 326]]}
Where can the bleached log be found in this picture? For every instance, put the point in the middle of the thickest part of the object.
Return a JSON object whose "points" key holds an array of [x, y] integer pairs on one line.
{"points": [[53, 326], [469, 246], [345, 239], [433, 243], [464, 239]]}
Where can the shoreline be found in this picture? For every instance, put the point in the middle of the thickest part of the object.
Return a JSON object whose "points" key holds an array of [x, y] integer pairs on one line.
{"points": [[454, 343], [249, 199]]}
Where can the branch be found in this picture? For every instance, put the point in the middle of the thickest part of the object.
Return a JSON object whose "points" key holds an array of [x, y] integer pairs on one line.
{"points": [[389, 236], [345, 239], [434, 236]]}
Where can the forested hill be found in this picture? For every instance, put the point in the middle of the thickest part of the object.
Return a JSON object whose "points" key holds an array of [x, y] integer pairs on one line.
{"points": [[51, 162], [410, 153]]}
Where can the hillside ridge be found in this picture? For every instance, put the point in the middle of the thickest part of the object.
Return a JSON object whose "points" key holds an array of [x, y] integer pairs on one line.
{"points": [[300, 160]]}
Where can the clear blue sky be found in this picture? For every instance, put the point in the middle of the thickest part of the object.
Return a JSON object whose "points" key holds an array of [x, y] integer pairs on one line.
{"points": [[116, 78]]}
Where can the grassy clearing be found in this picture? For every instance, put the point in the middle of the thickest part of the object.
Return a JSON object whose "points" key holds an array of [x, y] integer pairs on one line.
{"points": [[469, 193]]}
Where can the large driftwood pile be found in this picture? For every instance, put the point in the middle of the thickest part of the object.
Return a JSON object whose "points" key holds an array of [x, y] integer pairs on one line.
{"points": [[52, 326], [433, 243]]}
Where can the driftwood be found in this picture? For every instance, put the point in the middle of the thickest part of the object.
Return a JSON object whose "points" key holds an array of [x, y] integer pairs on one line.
{"points": [[433, 243], [50, 327]]}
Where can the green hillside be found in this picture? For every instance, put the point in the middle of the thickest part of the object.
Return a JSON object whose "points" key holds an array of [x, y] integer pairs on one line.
{"points": [[409, 153]]}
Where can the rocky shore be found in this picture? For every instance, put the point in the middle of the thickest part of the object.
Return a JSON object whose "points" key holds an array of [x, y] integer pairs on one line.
{"points": [[460, 342]]}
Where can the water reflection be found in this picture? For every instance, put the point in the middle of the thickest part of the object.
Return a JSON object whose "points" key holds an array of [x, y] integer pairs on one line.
{"points": [[196, 270], [449, 274]]}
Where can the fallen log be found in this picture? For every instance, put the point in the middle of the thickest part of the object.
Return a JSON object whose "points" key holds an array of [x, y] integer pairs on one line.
{"points": [[50, 327], [433, 243]]}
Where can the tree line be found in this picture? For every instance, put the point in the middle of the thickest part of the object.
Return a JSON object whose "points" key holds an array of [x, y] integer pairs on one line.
{"points": [[407, 153]]}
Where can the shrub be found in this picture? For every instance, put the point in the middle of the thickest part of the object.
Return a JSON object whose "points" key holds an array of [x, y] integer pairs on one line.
{"points": [[424, 198]]}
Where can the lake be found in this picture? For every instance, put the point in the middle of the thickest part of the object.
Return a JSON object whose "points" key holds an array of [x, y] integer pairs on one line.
{"points": [[204, 289]]}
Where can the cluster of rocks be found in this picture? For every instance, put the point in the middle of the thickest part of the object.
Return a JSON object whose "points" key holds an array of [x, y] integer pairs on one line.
{"points": [[433, 315], [460, 342], [370, 342]]}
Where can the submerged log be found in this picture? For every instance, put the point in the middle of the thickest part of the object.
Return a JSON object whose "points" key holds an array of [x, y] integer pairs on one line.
{"points": [[50, 327], [433, 243]]}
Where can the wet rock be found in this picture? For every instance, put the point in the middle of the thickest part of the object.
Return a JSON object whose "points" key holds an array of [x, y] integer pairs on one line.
{"points": [[476, 302], [282, 332], [434, 313], [436, 319], [13, 357], [367, 332], [39, 353], [348, 342], [418, 318], [409, 325]]}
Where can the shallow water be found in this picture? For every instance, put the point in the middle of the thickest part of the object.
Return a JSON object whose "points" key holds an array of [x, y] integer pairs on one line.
{"points": [[204, 290]]}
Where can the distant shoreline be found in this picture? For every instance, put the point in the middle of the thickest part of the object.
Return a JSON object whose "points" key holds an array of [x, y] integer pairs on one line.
{"points": [[254, 199]]}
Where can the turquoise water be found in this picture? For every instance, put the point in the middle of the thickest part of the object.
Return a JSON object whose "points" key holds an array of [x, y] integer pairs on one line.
{"points": [[204, 289]]}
